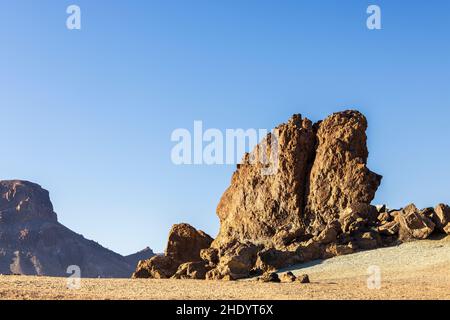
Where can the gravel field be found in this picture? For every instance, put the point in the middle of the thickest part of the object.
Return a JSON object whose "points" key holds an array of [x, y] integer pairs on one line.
{"points": [[416, 270]]}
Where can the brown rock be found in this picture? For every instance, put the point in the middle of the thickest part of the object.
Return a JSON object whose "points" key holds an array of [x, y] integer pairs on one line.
{"points": [[158, 267], [304, 278], [368, 240], [357, 218], [334, 250], [236, 263], [441, 217], [339, 177], [192, 270], [185, 243], [389, 228], [413, 225], [329, 234], [272, 259], [261, 207], [210, 255], [310, 250], [288, 277], [270, 277]]}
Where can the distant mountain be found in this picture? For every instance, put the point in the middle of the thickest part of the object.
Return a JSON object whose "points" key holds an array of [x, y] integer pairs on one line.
{"points": [[144, 254], [33, 242]]}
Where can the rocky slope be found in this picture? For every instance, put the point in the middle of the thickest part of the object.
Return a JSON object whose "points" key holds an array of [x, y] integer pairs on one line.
{"points": [[315, 205], [33, 242]]}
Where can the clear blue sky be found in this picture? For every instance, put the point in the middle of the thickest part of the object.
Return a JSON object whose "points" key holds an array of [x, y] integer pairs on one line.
{"points": [[88, 114]]}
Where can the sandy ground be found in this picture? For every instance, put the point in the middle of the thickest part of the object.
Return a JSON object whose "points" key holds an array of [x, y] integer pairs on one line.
{"points": [[417, 270]]}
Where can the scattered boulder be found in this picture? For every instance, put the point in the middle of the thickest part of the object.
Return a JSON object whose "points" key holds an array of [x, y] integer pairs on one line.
{"points": [[272, 259], [237, 263], [310, 250], [389, 228], [368, 240], [329, 234], [414, 225], [184, 245], [288, 277], [270, 277], [441, 218], [157, 267], [192, 270], [210, 255], [304, 278], [334, 250]]}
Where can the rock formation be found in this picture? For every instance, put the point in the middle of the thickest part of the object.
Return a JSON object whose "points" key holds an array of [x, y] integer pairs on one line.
{"points": [[183, 251], [316, 204], [33, 242], [339, 177]]}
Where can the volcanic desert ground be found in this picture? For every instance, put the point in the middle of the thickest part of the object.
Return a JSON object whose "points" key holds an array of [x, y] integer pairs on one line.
{"points": [[414, 270]]}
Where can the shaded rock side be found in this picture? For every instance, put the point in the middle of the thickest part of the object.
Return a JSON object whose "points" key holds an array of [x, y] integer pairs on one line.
{"points": [[339, 177]]}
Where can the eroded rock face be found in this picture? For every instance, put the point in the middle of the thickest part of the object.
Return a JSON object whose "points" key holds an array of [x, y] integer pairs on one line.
{"points": [[261, 207], [339, 177], [182, 256], [441, 217]]}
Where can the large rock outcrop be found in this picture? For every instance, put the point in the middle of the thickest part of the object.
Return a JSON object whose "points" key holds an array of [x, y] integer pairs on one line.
{"points": [[33, 242], [303, 193]]}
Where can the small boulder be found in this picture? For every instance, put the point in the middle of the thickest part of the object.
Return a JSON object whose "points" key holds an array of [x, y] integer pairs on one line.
{"points": [[191, 270], [414, 225], [304, 278], [329, 234], [185, 243], [389, 228], [288, 277], [157, 267], [272, 259], [310, 250], [368, 240], [270, 277], [236, 263], [441, 218]]}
